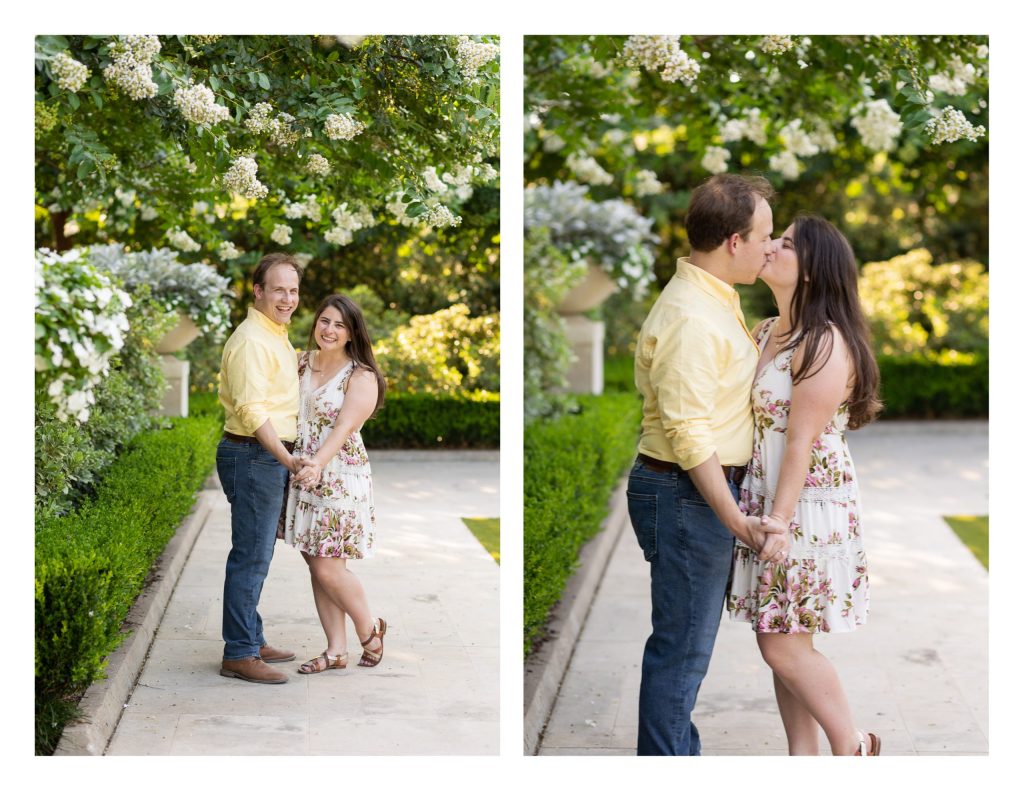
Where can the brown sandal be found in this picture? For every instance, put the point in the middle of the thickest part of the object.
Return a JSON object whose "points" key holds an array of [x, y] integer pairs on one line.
{"points": [[876, 745], [372, 658], [318, 664]]}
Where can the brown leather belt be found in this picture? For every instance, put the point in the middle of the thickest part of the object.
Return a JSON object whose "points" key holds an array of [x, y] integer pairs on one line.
{"points": [[289, 446], [732, 474]]}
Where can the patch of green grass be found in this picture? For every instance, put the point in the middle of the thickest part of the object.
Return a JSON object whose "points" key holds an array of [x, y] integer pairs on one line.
{"points": [[973, 531], [488, 533]]}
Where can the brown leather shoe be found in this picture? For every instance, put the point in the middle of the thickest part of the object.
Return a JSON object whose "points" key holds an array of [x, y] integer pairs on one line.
{"points": [[270, 654], [251, 669]]}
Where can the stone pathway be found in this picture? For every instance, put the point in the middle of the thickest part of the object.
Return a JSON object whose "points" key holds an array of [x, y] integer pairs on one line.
{"points": [[435, 693], [917, 674]]}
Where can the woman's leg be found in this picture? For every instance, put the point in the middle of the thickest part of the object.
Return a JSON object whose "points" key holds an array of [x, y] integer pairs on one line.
{"points": [[813, 682], [801, 727], [332, 617], [346, 592]]}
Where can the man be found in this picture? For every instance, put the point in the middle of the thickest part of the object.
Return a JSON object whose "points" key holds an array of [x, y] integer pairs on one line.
{"points": [[695, 363], [259, 389]]}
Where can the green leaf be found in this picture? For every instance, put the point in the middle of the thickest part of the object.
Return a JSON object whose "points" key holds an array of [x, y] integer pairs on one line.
{"points": [[264, 81], [483, 112], [85, 167], [74, 101], [97, 99], [214, 83], [415, 210]]}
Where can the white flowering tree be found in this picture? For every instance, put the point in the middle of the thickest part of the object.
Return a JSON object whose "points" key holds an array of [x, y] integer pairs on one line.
{"points": [[886, 135], [226, 147]]}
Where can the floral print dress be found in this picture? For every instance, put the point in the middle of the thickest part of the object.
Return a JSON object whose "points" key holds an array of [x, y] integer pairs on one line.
{"points": [[334, 518], [822, 586]]}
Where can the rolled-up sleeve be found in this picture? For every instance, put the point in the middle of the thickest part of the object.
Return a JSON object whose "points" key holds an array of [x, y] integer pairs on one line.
{"points": [[684, 375], [249, 367]]}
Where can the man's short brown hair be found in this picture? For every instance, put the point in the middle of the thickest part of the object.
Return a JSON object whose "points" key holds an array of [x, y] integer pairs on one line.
{"points": [[724, 205], [269, 261]]}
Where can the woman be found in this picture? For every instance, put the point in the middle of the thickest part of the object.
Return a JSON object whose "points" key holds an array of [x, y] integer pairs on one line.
{"points": [[815, 378], [329, 513]]}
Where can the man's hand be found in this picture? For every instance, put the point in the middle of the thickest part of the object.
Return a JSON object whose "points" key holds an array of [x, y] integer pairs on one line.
{"points": [[759, 532], [307, 473]]}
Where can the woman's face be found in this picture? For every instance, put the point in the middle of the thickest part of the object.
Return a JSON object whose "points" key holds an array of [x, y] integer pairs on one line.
{"points": [[331, 333], [782, 270]]}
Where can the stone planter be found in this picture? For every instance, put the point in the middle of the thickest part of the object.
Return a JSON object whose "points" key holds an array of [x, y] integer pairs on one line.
{"points": [[590, 292], [179, 336]]}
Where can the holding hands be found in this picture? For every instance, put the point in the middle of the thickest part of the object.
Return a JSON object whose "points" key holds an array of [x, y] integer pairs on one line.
{"points": [[307, 471], [770, 536]]}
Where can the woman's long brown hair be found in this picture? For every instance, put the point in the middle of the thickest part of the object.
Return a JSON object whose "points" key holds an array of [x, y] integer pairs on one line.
{"points": [[358, 346], [826, 294]]}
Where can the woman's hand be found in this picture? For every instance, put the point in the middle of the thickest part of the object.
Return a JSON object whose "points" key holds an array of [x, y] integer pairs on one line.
{"points": [[309, 473], [776, 545]]}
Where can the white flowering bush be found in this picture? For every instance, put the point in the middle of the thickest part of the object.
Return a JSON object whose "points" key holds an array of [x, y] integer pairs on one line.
{"points": [[776, 45], [587, 169], [610, 233], [318, 165], [646, 183], [183, 241], [227, 251], [440, 216], [193, 289], [282, 234], [80, 326], [308, 207], [715, 159], [661, 54]]}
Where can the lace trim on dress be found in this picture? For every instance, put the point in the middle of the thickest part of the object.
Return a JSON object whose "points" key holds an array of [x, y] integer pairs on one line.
{"points": [[334, 503], [809, 494]]}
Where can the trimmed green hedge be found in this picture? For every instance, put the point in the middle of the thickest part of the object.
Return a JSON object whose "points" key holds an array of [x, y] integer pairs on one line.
{"points": [[570, 466], [926, 387], [423, 420], [91, 565]]}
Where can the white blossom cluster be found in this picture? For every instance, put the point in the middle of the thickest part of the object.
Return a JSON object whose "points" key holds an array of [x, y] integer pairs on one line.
{"points": [[796, 139], [471, 55], [440, 216], [347, 222], [80, 326], [226, 251], [342, 126], [715, 159], [309, 207], [786, 163], [646, 183], [131, 69], [147, 213], [661, 53], [398, 207], [776, 45], [280, 129], [824, 138], [281, 234], [433, 181], [955, 81], [241, 179], [552, 142], [205, 41], [181, 240], [879, 126], [198, 105], [587, 170], [302, 259], [351, 42], [751, 126], [70, 73], [318, 165], [951, 125]]}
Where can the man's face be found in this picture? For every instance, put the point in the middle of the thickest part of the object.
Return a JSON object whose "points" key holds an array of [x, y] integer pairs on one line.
{"points": [[750, 255], [278, 297]]}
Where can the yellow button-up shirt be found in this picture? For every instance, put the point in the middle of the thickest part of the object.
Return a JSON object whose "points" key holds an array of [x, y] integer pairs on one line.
{"points": [[259, 378], [695, 364]]}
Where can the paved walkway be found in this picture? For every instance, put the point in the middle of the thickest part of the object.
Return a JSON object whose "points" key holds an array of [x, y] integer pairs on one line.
{"points": [[917, 674], [436, 692]]}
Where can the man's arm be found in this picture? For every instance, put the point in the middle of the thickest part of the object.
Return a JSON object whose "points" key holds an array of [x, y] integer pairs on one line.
{"points": [[268, 438]]}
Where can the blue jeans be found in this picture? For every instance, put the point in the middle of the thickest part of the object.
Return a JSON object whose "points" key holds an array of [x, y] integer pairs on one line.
{"points": [[690, 552], [254, 482]]}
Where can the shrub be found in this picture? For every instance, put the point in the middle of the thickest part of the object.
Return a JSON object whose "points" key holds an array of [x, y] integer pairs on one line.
{"points": [[422, 420], [69, 456], [91, 565], [929, 386], [914, 306], [571, 465]]}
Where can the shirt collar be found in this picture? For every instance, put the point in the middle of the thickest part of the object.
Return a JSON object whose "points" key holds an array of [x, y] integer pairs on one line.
{"points": [[706, 282], [266, 322]]}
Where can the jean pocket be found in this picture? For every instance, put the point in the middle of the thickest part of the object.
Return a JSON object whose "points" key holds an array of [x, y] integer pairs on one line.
{"points": [[643, 514], [226, 473]]}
